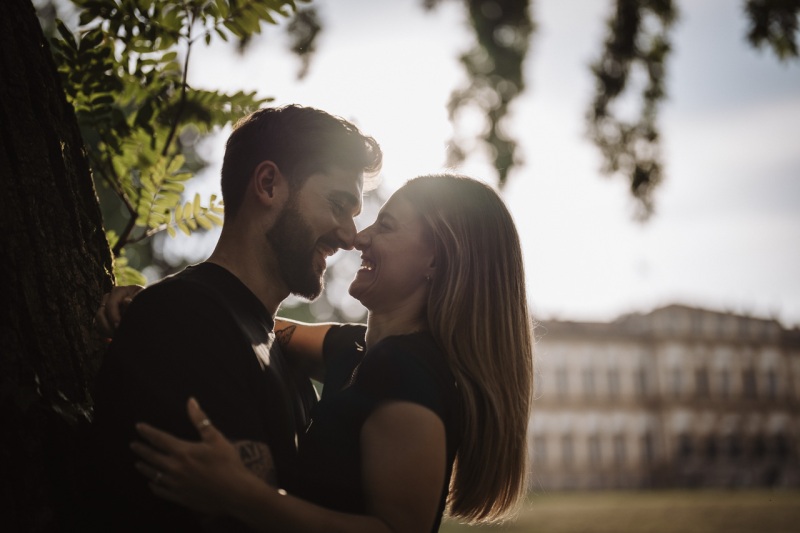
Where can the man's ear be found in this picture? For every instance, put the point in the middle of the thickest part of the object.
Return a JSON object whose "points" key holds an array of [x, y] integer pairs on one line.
{"points": [[269, 184]]}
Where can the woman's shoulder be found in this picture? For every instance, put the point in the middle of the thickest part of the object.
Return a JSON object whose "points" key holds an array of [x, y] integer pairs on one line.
{"points": [[411, 367], [415, 349]]}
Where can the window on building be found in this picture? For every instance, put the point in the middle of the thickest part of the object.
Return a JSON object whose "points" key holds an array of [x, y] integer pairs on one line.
{"points": [[711, 450], [733, 446], [562, 384], [648, 448], [749, 383], [697, 324], [594, 450], [619, 449], [539, 450], [567, 450], [781, 446], [613, 383], [724, 383], [641, 382], [685, 449], [743, 329], [772, 384], [588, 382], [759, 447], [677, 382], [701, 382]]}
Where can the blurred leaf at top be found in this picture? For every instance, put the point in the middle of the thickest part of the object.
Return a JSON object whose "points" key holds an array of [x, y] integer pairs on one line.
{"points": [[124, 69]]}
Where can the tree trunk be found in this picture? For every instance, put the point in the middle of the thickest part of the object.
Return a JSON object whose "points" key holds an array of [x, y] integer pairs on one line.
{"points": [[55, 266]]}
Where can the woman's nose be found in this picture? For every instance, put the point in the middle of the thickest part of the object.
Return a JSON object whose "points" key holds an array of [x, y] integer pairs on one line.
{"points": [[362, 239]]}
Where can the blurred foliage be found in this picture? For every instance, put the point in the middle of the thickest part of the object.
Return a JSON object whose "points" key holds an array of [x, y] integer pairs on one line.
{"points": [[303, 31], [638, 41], [637, 37], [774, 23], [124, 70], [636, 49], [494, 68]]}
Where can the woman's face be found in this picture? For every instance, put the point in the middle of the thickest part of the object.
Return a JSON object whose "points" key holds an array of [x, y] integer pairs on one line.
{"points": [[396, 258]]}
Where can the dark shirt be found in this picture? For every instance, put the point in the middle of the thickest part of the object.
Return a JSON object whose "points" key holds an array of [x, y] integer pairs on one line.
{"points": [[199, 333], [402, 368]]}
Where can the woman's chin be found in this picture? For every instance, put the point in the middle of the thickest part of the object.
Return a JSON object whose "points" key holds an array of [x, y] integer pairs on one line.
{"points": [[355, 290], [358, 289]]}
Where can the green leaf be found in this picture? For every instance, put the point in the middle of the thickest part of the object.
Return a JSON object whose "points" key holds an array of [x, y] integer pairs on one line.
{"points": [[214, 218], [204, 222], [196, 206], [183, 227], [69, 39]]}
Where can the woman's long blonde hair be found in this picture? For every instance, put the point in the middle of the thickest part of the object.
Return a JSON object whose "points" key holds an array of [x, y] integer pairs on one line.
{"points": [[477, 311]]}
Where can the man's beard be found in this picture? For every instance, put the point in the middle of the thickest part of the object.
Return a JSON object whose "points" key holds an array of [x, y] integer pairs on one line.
{"points": [[293, 242]]}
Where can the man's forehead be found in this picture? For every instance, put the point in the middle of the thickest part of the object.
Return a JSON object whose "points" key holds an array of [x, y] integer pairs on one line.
{"points": [[343, 182]]}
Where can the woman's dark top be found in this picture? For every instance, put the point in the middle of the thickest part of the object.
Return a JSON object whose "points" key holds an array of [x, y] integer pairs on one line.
{"points": [[401, 368]]}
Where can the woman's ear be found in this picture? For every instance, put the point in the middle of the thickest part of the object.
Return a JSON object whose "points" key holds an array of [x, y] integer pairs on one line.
{"points": [[431, 270]]}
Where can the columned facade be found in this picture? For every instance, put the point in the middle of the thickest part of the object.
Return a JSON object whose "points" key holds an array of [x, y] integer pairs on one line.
{"points": [[677, 397]]}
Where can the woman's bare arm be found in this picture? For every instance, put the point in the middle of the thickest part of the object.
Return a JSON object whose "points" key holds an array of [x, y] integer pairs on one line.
{"points": [[303, 343]]}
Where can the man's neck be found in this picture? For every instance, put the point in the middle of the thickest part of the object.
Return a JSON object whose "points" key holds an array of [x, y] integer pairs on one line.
{"points": [[268, 288]]}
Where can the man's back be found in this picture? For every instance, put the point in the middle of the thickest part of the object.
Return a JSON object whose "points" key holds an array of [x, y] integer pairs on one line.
{"points": [[200, 333]]}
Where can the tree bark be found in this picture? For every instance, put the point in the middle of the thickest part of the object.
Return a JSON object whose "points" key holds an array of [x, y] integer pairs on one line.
{"points": [[54, 266]]}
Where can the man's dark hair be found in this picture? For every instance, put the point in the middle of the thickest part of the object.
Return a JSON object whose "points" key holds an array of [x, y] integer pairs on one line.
{"points": [[300, 141]]}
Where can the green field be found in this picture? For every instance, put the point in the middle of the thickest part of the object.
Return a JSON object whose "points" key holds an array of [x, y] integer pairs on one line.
{"points": [[654, 512]]}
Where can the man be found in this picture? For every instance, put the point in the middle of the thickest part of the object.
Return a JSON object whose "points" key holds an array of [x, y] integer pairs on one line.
{"points": [[292, 179]]}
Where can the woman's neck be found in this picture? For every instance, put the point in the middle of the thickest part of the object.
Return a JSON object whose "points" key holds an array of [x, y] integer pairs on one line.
{"points": [[380, 326]]}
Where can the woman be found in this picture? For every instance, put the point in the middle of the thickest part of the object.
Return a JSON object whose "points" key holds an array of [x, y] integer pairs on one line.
{"points": [[431, 413]]}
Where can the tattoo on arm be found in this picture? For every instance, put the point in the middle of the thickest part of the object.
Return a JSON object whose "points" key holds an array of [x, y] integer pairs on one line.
{"points": [[283, 336], [257, 457]]}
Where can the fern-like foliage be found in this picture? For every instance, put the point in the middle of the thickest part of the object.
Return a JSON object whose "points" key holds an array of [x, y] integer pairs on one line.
{"points": [[638, 37], [124, 70]]}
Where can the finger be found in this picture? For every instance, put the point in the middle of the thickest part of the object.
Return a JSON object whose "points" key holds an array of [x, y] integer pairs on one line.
{"points": [[101, 324], [207, 431], [118, 300], [153, 475], [114, 313], [160, 439], [159, 462]]}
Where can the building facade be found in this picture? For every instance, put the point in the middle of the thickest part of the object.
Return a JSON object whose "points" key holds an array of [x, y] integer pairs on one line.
{"points": [[678, 397]]}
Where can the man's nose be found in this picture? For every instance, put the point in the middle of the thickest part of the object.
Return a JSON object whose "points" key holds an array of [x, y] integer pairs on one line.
{"points": [[347, 234]]}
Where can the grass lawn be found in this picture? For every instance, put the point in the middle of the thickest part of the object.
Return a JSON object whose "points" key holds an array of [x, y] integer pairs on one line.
{"points": [[745, 511]]}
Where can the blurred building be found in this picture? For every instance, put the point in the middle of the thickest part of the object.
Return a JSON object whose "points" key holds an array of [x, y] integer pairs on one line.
{"points": [[677, 397]]}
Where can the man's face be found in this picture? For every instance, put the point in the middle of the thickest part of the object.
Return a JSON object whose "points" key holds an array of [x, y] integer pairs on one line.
{"points": [[317, 221]]}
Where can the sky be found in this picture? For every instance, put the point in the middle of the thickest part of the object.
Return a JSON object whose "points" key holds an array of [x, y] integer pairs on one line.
{"points": [[726, 231]]}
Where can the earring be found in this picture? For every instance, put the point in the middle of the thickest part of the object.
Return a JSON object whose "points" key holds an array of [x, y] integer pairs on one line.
{"points": [[428, 278]]}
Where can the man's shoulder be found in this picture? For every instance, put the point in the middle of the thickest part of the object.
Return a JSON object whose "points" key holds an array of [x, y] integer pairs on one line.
{"points": [[191, 290]]}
